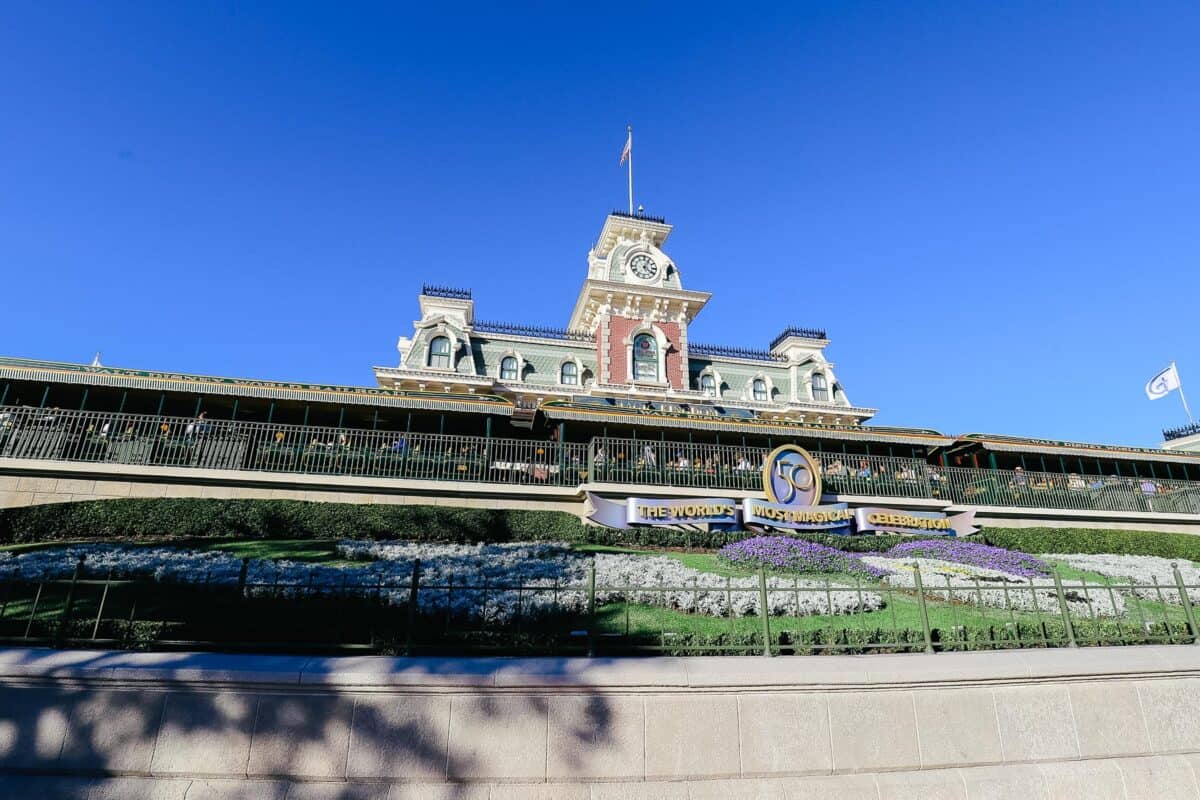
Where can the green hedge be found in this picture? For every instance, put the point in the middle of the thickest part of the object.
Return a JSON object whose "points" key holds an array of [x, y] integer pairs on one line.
{"points": [[1090, 540], [142, 518]]}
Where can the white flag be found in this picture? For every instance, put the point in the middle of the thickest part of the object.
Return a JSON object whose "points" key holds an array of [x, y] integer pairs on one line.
{"points": [[627, 150], [1162, 383]]}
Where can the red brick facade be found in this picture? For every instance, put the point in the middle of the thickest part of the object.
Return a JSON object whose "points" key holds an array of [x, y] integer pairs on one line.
{"points": [[617, 356]]}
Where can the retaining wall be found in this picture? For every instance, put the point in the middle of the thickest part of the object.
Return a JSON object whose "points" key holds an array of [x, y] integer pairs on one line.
{"points": [[1096, 723]]}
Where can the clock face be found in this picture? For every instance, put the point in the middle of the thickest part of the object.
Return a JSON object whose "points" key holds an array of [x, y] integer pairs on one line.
{"points": [[643, 266]]}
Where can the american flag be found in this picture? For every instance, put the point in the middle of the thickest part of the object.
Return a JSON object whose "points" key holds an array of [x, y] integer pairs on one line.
{"points": [[627, 150]]}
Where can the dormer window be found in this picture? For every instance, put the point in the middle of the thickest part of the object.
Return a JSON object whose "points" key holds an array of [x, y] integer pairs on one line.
{"points": [[569, 374], [759, 388], [439, 352], [820, 388], [508, 369], [708, 385], [645, 358]]}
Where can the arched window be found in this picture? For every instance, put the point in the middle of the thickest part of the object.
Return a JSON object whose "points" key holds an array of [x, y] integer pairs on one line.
{"points": [[708, 385], [645, 358], [760, 389], [439, 352], [820, 388], [508, 369], [570, 373]]}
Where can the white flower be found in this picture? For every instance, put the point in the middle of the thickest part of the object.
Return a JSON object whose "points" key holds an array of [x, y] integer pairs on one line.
{"points": [[494, 582], [1140, 573], [967, 583]]}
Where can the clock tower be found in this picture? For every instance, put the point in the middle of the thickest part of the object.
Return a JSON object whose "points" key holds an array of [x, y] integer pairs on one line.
{"points": [[635, 304]]}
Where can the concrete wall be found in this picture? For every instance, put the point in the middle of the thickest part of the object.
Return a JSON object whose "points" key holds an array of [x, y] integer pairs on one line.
{"points": [[1098, 723]]}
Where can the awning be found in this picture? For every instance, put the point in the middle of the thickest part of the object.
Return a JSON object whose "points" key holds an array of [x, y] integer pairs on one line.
{"points": [[1077, 450], [238, 387], [757, 426]]}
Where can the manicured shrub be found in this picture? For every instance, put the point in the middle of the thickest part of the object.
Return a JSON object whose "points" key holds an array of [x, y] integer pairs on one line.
{"points": [[143, 518], [1091, 540]]}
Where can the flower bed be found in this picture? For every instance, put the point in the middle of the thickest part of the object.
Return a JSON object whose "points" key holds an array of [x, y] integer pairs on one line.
{"points": [[705, 593], [1141, 572], [975, 554], [966, 583], [797, 555], [478, 581]]}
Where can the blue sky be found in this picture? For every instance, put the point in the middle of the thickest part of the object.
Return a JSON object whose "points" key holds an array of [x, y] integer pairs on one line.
{"points": [[994, 209]]}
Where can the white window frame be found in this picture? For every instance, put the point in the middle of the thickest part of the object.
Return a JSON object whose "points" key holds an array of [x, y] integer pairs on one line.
{"points": [[812, 387], [663, 345], [448, 355], [570, 362]]}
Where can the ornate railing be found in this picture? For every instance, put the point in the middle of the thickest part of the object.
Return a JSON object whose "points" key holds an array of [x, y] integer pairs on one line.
{"points": [[641, 216], [539, 331], [725, 351], [1181, 431], [805, 333], [448, 292]]}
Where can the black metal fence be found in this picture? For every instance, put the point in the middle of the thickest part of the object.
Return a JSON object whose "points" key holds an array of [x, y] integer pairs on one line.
{"points": [[592, 617]]}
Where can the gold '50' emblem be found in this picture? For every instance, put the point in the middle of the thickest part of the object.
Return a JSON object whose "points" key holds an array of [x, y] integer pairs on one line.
{"points": [[791, 477]]}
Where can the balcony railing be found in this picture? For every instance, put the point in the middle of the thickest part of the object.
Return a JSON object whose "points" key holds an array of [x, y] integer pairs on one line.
{"points": [[655, 463], [58, 435], [135, 439]]}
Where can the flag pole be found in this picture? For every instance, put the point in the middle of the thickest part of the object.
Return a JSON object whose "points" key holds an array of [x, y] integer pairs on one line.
{"points": [[1186, 410], [630, 130]]}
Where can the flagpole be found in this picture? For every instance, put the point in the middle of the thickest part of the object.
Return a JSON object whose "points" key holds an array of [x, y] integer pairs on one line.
{"points": [[630, 130], [1186, 410]]}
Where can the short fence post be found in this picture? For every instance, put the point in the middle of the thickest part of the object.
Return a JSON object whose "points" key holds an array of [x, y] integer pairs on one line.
{"points": [[592, 609], [1066, 613], [925, 630], [69, 602], [37, 598], [103, 600], [413, 588], [1184, 600], [764, 610], [242, 577]]}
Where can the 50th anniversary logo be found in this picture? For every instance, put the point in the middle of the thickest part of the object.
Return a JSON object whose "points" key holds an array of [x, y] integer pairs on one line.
{"points": [[792, 485]]}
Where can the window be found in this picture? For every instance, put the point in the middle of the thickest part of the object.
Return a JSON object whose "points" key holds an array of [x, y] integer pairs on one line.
{"points": [[570, 373], [508, 369], [708, 385], [820, 388], [439, 353], [645, 358], [760, 389]]}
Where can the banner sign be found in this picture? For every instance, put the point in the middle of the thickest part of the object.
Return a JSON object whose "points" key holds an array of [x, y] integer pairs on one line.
{"points": [[833, 518], [928, 523], [705, 510], [660, 512], [792, 484]]}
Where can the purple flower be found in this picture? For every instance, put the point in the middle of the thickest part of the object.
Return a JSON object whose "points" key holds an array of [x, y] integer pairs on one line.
{"points": [[788, 554], [977, 555]]}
